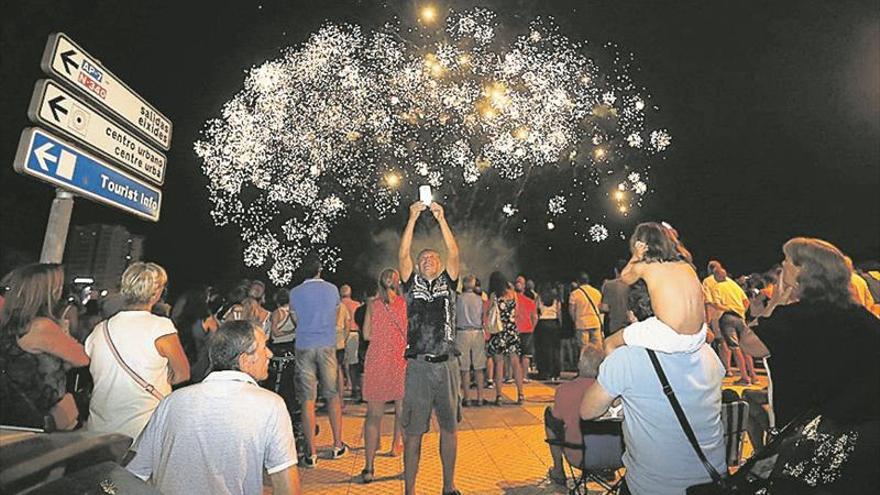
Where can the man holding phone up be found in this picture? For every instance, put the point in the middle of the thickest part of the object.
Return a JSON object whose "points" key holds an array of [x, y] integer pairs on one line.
{"points": [[432, 374]]}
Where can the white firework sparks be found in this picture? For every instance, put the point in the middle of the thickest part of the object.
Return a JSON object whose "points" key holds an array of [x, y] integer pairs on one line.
{"points": [[556, 205], [634, 140], [640, 188], [349, 119], [598, 233], [660, 140]]}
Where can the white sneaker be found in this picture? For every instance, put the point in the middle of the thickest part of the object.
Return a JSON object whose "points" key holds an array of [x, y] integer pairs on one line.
{"points": [[339, 452]]}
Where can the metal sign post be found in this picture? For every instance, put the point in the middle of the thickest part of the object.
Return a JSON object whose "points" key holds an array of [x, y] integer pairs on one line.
{"points": [[57, 227]]}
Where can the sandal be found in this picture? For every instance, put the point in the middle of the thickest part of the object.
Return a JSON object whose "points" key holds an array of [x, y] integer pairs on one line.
{"points": [[367, 476], [395, 451], [520, 399]]}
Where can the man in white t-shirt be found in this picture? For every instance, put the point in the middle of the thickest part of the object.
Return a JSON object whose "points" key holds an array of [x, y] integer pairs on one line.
{"points": [[220, 435]]}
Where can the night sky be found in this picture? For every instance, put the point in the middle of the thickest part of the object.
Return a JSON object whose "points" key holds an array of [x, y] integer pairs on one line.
{"points": [[774, 109]]}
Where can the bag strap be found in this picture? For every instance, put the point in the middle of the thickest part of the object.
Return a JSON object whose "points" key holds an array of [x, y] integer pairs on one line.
{"points": [[137, 378], [595, 310], [682, 419]]}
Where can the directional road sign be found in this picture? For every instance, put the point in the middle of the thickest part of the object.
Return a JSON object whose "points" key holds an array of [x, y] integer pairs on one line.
{"points": [[51, 159], [66, 60], [57, 108]]}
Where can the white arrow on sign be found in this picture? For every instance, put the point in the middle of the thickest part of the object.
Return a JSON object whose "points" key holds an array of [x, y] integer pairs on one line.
{"points": [[65, 60], [43, 156], [55, 107], [65, 167]]}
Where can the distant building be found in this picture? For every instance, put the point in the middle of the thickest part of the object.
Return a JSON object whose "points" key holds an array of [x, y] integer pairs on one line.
{"points": [[101, 252]]}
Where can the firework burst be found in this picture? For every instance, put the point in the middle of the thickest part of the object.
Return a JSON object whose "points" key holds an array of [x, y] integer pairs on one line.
{"points": [[355, 121]]}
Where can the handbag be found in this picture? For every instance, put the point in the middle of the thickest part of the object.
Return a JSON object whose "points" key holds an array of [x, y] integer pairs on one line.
{"points": [[494, 325], [137, 378]]}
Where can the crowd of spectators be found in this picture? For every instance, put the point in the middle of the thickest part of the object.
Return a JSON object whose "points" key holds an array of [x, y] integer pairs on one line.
{"points": [[172, 377]]}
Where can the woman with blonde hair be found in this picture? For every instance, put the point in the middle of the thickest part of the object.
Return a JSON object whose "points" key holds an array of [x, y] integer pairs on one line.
{"points": [[35, 352], [385, 325], [813, 320], [136, 356]]}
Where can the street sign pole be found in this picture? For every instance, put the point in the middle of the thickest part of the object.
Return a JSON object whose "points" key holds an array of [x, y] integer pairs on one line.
{"points": [[57, 227]]}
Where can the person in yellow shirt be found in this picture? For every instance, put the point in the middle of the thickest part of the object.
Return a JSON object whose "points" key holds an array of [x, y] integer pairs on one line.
{"points": [[731, 302], [709, 282], [583, 306]]}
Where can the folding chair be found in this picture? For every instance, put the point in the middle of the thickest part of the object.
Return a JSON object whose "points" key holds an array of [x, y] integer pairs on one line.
{"points": [[734, 418], [601, 451]]}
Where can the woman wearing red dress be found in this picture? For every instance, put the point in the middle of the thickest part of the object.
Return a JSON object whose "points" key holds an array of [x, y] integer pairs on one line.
{"points": [[384, 366]]}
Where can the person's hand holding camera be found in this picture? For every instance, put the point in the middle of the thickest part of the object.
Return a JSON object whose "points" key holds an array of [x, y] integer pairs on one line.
{"points": [[416, 209], [437, 211]]}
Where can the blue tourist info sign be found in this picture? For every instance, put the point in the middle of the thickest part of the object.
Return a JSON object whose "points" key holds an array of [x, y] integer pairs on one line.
{"points": [[51, 159]]}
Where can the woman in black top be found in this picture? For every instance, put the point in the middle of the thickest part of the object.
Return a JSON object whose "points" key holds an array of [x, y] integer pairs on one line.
{"points": [[35, 352], [824, 356]]}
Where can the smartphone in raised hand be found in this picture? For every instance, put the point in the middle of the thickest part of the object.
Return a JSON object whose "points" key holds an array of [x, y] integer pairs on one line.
{"points": [[425, 195]]}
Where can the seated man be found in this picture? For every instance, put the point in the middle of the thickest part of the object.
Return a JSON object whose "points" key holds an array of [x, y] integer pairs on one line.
{"points": [[563, 418], [659, 459], [218, 436]]}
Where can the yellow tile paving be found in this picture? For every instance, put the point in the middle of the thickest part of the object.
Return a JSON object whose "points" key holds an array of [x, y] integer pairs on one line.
{"points": [[500, 451]]}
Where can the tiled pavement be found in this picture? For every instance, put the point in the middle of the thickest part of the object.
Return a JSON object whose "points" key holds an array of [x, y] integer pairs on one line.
{"points": [[500, 451]]}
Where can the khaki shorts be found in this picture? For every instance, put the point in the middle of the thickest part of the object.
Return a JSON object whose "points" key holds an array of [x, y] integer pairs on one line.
{"points": [[590, 336], [472, 346], [431, 386]]}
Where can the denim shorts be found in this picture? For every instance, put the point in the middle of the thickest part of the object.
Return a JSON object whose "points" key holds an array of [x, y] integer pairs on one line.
{"points": [[313, 365], [431, 386]]}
